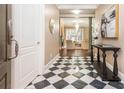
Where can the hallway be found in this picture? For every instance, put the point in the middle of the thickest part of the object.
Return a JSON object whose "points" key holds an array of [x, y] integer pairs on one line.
{"points": [[59, 46], [73, 72]]}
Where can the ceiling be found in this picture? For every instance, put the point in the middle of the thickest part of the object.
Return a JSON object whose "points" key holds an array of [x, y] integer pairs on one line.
{"points": [[84, 8], [77, 6], [70, 22], [68, 17]]}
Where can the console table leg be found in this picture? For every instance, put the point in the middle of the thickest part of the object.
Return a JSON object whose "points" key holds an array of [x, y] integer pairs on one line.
{"points": [[104, 64], [115, 68], [91, 54], [98, 56]]}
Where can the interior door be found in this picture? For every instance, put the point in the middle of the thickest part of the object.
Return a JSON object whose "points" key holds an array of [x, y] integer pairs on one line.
{"points": [[5, 64], [26, 32]]}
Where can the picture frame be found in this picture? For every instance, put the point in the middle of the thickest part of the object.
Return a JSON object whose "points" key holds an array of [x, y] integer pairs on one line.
{"points": [[110, 23]]}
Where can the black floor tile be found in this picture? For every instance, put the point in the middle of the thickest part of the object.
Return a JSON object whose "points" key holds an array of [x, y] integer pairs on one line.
{"points": [[98, 84], [117, 84], [69, 58], [41, 84], [88, 64], [63, 75], [80, 68], [66, 60], [53, 68], [78, 74], [77, 60], [79, 84], [67, 64], [77, 64], [59, 60], [60, 84], [50, 74], [92, 74], [90, 68], [65, 68], [56, 64]]}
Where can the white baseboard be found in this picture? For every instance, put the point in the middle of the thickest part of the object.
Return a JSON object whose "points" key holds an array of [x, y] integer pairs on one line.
{"points": [[120, 74], [51, 61]]}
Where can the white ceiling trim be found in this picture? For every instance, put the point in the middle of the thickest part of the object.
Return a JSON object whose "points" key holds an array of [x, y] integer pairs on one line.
{"points": [[80, 15], [77, 6]]}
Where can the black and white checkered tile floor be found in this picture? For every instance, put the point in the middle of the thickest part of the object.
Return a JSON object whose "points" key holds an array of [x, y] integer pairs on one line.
{"points": [[72, 73]]}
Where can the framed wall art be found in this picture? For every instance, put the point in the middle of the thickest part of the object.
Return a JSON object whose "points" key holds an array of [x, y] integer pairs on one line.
{"points": [[110, 22]]}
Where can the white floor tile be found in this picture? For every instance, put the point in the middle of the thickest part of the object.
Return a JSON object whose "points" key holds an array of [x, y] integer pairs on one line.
{"points": [[83, 66], [70, 79], [108, 87], [51, 65], [47, 71], [50, 87], [69, 87], [54, 79], [72, 66], [84, 71], [89, 87], [58, 71], [30, 87], [38, 79], [60, 66], [71, 71], [87, 79]]}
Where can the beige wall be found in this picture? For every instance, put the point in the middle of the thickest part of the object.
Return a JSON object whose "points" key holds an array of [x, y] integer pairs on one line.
{"points": [[85, 42], [120, 42], [51, 40]]}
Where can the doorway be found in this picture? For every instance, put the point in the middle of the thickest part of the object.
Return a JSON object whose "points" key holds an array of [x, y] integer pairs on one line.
{"points": [[75, 33]]}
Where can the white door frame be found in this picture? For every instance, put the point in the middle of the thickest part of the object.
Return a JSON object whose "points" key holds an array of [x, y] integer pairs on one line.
{"points": [[41, 41]]}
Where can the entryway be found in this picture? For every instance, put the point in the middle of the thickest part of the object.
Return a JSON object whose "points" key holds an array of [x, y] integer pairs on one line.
{"points": [[41, 56]]}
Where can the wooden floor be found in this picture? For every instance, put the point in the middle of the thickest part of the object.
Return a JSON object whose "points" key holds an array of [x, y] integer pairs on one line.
{"points": [[74, 52]]}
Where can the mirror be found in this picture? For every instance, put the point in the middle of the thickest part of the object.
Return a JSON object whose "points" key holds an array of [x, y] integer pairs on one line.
{"points": [[52, 25], [109, 23]]}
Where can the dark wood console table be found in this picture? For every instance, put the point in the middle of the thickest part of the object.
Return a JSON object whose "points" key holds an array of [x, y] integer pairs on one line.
{"points": [[105, 73]]}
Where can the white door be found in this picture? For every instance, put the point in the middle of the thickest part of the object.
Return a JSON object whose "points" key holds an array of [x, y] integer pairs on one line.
{"points": [[27, 27]]}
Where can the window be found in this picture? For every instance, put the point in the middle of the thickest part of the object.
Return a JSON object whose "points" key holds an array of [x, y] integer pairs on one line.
{"points": [[73, 35]]}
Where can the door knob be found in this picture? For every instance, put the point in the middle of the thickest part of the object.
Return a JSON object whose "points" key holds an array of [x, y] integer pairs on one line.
{"points": [[16, 50], [38, 43]]}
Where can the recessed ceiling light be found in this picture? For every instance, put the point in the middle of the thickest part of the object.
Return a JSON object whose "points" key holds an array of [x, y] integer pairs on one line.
{"points": [[76, 11]]}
